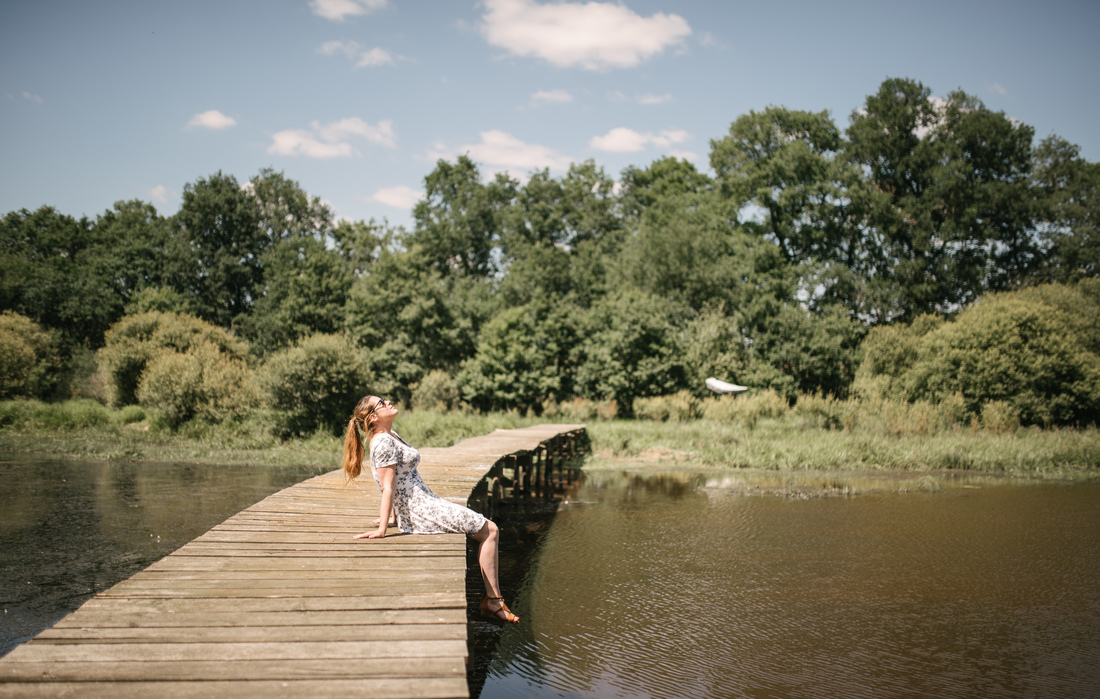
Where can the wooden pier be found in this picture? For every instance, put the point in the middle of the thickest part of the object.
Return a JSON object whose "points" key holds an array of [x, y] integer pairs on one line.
{"points": [[280, 601]]}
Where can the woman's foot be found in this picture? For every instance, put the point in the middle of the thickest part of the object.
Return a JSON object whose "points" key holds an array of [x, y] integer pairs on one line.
{"points": [[495, 608]]}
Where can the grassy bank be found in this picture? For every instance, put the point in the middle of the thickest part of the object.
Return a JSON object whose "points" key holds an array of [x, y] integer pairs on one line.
{"points": [[792, 441]]}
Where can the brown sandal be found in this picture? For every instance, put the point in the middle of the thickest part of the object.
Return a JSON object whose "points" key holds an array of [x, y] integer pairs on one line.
{"points": [[503, 614]]}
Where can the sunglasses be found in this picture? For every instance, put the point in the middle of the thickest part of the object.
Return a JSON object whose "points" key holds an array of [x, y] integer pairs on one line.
{"points": [[379, 404]]}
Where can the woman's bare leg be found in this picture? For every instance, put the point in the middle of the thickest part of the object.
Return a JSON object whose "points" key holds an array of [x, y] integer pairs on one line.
{"points": [[487, 539], [487, 555]]}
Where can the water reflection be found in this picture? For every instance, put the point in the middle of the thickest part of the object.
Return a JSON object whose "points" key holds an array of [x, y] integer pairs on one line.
{"points": [[678, 585], [71, 529]]}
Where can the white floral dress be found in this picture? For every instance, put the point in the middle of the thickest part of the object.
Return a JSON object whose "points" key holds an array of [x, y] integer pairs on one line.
{"points": [[419, 510]]}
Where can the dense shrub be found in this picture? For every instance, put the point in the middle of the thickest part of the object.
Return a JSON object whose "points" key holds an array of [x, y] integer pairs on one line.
{"points": [[134, 341], [679, 407], [1012, 349], [203, 383], [28, 358], [436, 391], [746, 409], [1031, 350], [315, 384]]}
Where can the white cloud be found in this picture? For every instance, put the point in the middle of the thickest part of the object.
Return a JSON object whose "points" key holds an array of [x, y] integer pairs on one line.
{"points": [[331, 140], [618, 97], [363, 58], [31, 97], [593, 36], [399, 197], [996, 87], [623, 140], [501, 152], [159, 194], [338, 10], [212, 119], [684, 155], [551, 97]]}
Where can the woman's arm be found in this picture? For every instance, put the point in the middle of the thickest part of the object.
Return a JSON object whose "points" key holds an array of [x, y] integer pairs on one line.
{"points": [[386, 475]]}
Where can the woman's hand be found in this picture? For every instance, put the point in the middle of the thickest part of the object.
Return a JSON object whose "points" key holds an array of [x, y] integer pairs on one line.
{"points": [[376, 534]]}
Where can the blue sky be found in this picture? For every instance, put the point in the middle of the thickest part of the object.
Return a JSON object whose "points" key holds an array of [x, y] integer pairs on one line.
{"points": [[356, 99]]}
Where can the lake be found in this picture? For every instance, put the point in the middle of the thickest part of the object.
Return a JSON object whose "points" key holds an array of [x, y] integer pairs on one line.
{"points": [[727, 585]]}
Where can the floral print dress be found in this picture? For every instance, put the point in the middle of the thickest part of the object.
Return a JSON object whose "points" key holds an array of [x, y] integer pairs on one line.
{"points": [[419, 510]]}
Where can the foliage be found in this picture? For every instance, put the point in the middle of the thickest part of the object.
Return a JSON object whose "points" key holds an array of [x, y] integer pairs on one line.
{"points": [[522, 357], [203, 382], [315, 384], [627, 349], [1068, 189], [135, 341], [436, 391], [1036, 357], [28, 358]]}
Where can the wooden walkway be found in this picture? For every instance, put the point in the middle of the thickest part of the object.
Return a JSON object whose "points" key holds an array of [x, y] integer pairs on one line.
{"points": [[280, 601]]}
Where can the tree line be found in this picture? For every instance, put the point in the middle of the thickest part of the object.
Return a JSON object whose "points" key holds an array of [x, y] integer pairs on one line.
{"points": [[512, 295]]}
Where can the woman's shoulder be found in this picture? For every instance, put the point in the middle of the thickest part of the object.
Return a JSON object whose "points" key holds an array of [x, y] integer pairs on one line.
{"points": [[382, 438]]}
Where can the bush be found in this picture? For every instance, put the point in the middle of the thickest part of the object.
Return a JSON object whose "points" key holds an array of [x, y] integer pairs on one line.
{"points": [[315, 384], [1000, 416], [203, 383], [136, 340], [681, 406], [746, 409], [28, 360], [436, 391], [1009, 348]]}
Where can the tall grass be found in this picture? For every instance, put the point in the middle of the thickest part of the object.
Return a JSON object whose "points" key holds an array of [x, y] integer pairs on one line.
{"points": [[757, 432]]}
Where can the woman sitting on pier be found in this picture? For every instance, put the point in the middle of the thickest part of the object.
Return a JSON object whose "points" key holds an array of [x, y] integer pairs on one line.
{"points": [[419, 511]]}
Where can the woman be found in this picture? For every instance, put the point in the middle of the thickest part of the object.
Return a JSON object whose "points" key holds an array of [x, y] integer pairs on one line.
{"points": [[419, 511]]}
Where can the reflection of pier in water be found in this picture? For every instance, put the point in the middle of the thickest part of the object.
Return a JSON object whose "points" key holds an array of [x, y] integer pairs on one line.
{"points": [[279, 599]]}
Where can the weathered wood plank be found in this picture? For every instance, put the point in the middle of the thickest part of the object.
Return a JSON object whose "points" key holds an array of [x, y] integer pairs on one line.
{"points": [[254, 634], [331, 650], [190, 671], [434, 688], [213, 619]]}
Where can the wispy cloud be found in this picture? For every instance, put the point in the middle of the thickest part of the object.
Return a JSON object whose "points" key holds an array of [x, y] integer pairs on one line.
{"points": [[624, 140], [32, 97], [592, 36], [334, 140], [212, 119], [550, 97], [645, 100], [399, 197], [159, 194], [996, 87], [339, 10], [364, 58], [501, 151]]}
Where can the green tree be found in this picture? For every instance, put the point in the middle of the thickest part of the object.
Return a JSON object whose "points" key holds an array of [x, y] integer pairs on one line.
{"points": [[458, 221], [1068, 190], [628, 348], [221, 222], [950, 208], [305, 288], [522, 358], [665, 177]]}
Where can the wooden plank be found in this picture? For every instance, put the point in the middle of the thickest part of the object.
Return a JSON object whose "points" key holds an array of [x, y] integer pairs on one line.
{"points": [[436, 688], [331, 650], [253, 634], [161, 619], [190, 671]]}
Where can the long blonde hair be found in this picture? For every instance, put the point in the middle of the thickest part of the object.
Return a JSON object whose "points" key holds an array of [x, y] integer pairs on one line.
{"points": [[354, 446]]}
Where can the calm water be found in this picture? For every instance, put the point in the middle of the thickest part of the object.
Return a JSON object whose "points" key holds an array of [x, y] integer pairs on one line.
{"points": [[71, 529], [683, 585]]}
